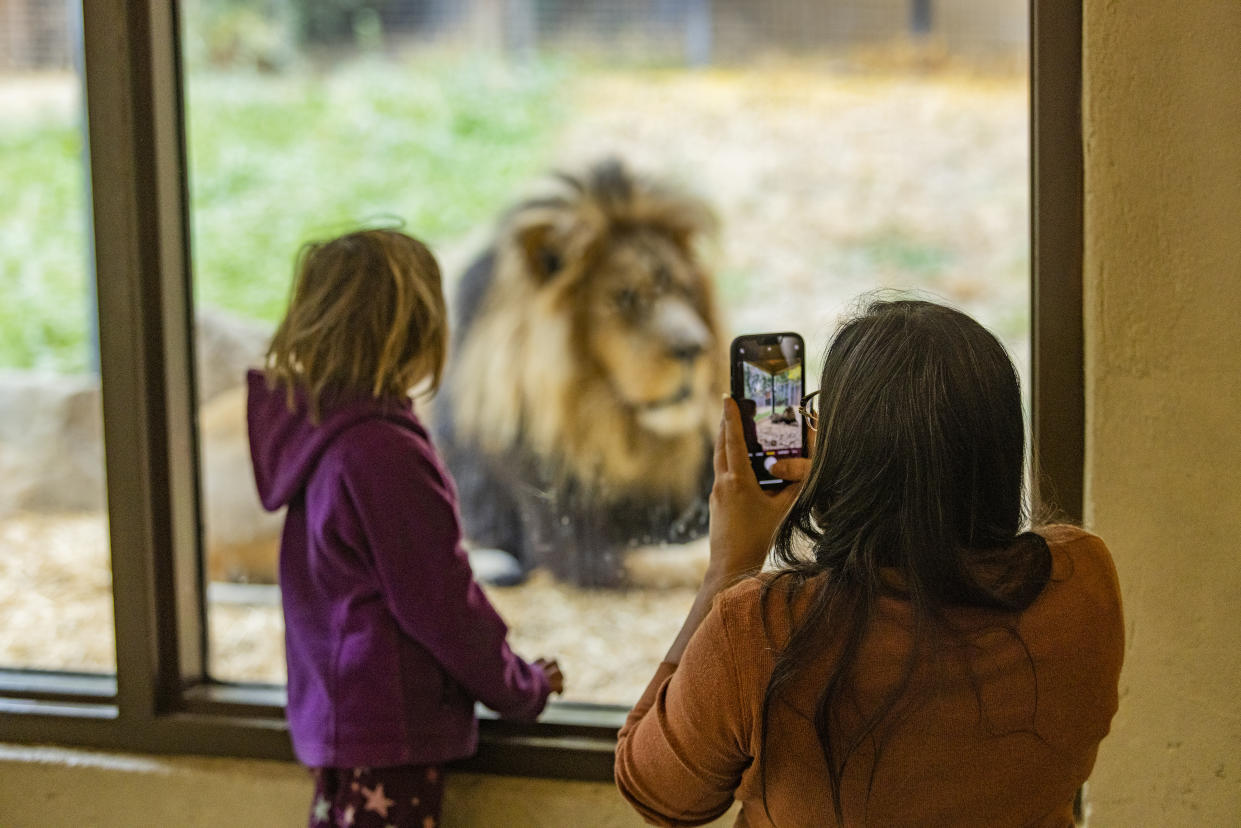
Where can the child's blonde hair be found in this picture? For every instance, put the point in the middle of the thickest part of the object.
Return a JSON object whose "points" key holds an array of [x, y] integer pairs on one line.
{"points": [[366, 315]]}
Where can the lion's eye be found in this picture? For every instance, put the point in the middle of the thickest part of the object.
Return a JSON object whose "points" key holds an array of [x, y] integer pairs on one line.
{"points": [[626, 299], [663, 277], [550, 261]]}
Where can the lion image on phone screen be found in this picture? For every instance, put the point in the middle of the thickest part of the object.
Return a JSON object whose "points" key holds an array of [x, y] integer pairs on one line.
{"points": [[576, 412]]}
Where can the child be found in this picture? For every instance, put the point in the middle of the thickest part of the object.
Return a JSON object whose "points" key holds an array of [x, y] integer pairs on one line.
{"points": [[389, 640]]}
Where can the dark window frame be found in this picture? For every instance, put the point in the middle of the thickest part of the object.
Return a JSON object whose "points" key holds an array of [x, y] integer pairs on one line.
{"points": [[160, 700]]}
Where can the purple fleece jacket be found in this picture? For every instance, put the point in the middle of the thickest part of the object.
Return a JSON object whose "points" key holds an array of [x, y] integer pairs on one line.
{"points": [[388, 638]]}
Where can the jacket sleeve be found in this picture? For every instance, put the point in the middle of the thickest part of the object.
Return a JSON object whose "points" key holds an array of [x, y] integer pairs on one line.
{"points": [[406, 512], [683, 748]]}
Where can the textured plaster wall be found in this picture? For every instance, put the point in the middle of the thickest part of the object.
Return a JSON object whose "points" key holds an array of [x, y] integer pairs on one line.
{"points": [[1163, 363], [45, 786]]}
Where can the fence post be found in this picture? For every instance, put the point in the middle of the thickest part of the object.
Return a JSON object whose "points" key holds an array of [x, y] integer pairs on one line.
{"points": [[920, 18], [699, 32], [74, 11]]}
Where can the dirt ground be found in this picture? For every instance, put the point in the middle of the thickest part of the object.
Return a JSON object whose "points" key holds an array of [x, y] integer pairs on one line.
{"points": [[826, 186]]}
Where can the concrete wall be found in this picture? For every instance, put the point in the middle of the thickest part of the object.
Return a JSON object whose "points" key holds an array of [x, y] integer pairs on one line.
{"points": [[1163, 364], [41, 787]]}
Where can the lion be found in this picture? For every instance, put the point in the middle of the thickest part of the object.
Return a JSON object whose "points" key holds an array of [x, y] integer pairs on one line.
{"points": [[576, 412]]}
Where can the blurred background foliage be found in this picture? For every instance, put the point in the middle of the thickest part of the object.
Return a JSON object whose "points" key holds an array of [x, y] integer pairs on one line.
{"points": [[286, 144]]}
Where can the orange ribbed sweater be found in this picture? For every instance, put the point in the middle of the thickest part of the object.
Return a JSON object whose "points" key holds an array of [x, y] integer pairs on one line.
{"points": [[995, 730]]}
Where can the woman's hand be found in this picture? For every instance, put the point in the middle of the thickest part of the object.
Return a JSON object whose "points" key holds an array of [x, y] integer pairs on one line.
{"points": [[744, 518], [551, 669]]}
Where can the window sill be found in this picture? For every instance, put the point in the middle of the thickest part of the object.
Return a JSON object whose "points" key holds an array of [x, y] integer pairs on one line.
{"points": [[572, 740]]}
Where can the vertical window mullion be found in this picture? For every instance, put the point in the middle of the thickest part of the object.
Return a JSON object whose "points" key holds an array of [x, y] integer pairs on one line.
{"points": [[134, 126], [1056, 245], [180, 380]]}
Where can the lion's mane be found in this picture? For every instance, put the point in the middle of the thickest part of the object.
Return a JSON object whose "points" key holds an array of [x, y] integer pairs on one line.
{"points": [[585, 375]]}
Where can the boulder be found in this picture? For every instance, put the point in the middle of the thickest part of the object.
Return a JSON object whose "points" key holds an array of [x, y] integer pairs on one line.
{"points": [[226, 345], [240, 538], [51, 446]]}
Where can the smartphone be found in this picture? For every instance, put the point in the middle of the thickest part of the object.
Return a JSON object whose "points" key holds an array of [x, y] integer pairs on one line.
{"points": [[768, 381]]}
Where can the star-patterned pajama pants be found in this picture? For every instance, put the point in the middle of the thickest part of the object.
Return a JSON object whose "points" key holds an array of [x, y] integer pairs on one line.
{"points": [[405, 796]]}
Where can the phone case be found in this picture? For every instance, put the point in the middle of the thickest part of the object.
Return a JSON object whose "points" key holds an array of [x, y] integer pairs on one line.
{"points": [[773, 365]]}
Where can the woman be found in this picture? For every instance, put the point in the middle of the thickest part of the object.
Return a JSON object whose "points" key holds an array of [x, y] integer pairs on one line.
{"points": [[914, 658]]}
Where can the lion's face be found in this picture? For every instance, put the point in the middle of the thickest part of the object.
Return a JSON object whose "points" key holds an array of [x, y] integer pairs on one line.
{"points": [[649, 329]]}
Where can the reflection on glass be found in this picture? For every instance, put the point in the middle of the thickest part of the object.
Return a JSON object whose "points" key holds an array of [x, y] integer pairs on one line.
{"points": [[55, 580], [841, 149]]}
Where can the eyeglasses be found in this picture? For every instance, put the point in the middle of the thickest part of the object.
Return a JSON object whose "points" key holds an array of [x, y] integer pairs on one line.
{"points": [[809, 409]]}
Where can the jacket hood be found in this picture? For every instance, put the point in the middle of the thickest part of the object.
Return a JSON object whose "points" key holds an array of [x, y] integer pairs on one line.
{"points": [[285, 446]]}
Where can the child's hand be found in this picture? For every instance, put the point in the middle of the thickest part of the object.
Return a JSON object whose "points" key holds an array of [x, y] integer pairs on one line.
{"points": [[555, 679]]}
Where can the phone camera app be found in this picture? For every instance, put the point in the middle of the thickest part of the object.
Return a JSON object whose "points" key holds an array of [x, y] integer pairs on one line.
{"points": [[771, 383]]}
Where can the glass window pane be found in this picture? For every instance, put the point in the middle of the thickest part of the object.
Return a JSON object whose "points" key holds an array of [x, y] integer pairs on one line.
{"points": [[843, 147], [55, 580]]}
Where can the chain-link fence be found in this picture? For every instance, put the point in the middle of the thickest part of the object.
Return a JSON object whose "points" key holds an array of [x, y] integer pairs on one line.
{"points": [[33, 32]]}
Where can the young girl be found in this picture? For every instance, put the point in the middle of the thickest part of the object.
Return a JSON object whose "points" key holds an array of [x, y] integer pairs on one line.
{"points": [[389, 639]]}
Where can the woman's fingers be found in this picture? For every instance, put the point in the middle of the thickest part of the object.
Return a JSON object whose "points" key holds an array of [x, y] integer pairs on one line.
{"points": [[792, 468], [720, 458], [737, 456], [731, 453]]}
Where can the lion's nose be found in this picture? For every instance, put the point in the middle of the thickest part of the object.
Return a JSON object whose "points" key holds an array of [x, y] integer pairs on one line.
{"points": [[683, 331]]}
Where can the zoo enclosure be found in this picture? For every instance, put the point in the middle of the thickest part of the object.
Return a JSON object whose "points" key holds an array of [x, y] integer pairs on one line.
{"points": [[34, 33]]}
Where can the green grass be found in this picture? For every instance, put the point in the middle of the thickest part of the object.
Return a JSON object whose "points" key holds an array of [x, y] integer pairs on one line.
{"points": [[275, 160], [43, 259]]}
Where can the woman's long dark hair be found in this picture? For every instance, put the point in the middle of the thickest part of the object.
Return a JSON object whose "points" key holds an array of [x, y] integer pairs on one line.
{"points": [[917, 465]]}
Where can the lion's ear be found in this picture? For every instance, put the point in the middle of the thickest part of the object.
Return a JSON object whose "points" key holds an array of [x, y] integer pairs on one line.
{"points": [[543, 257], [684, 220], [539, 238]]}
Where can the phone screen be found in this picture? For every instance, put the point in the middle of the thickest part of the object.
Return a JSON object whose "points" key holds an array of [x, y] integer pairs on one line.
{"points": [[768, 382]]}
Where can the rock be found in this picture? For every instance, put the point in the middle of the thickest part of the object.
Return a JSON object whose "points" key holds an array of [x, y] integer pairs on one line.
{"points": [[240, 538], [51, 446], [226, 345]]}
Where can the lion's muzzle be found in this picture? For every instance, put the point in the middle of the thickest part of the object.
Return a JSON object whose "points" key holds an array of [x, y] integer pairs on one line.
{"points": [[679, 326]]}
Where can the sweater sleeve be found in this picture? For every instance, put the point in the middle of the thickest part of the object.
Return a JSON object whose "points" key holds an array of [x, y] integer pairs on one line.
{"points": [[683, 748], [406, 512]]}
